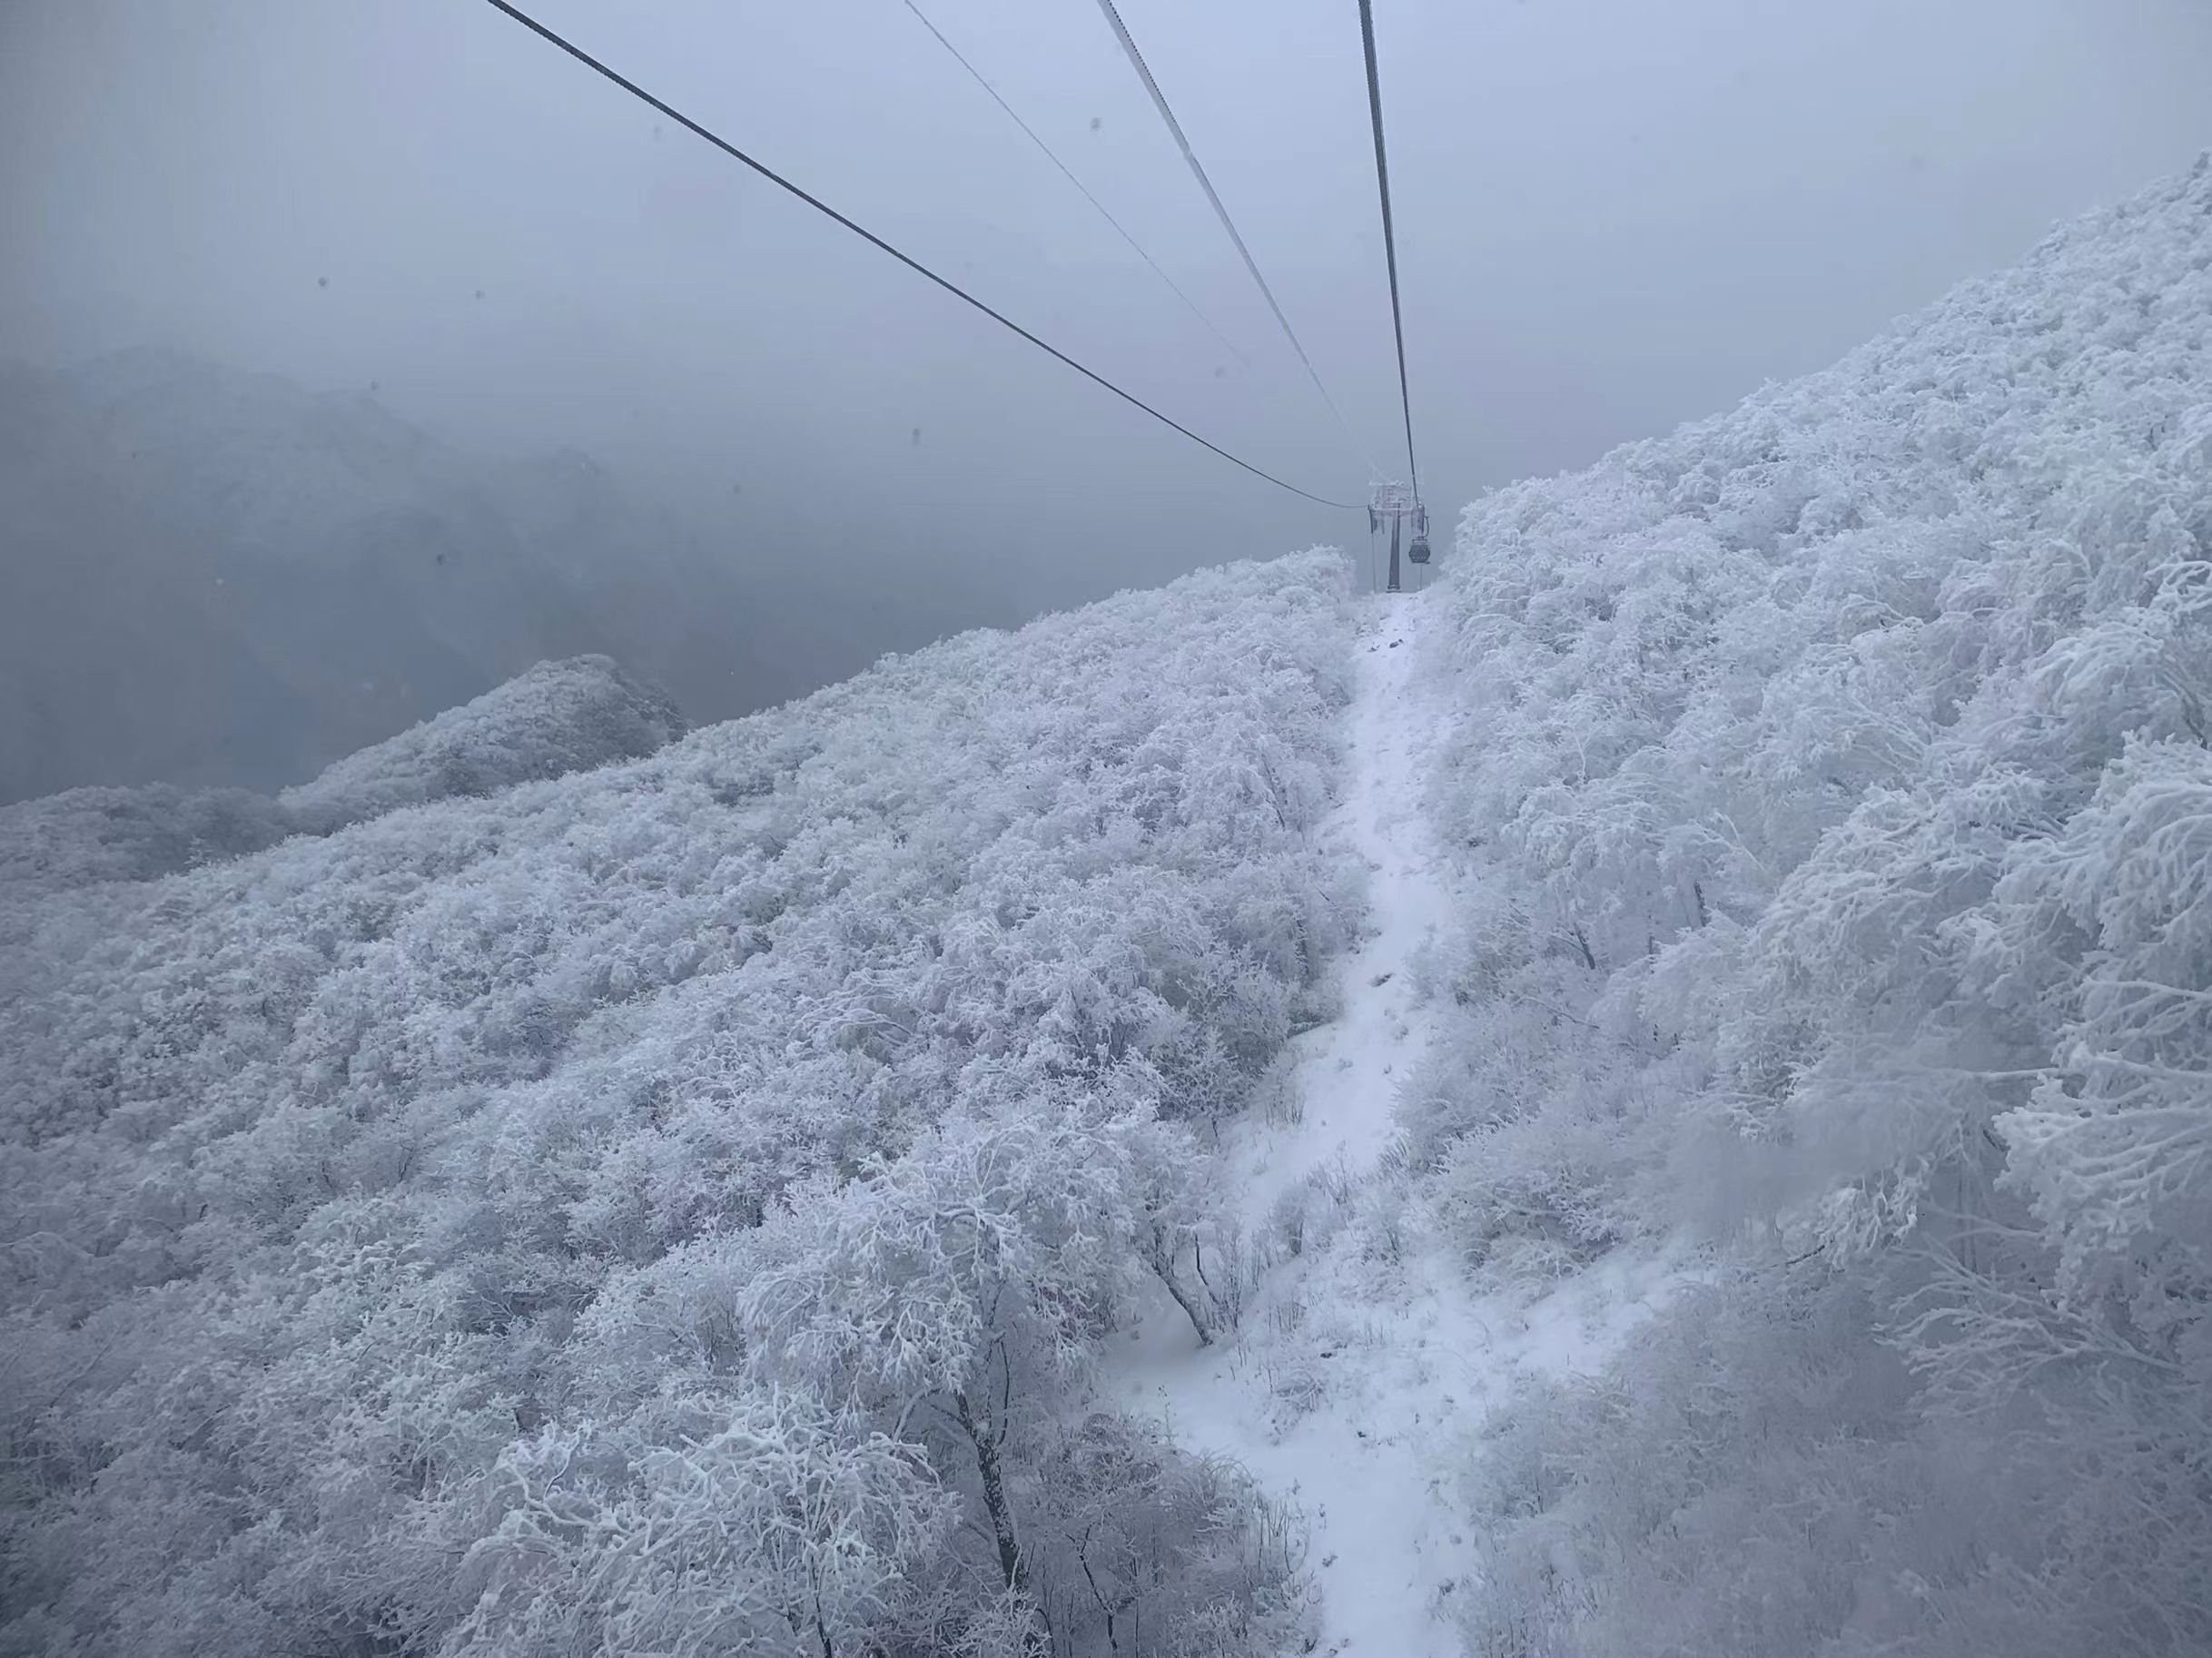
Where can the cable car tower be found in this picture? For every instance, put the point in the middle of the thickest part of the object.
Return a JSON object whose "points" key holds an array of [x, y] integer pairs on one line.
{"points": [[1395, 505]]}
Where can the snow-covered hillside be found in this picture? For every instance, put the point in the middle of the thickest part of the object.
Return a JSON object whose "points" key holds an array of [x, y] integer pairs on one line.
{"points": [[1654, 1099], [1831, 804], [556, 718], [670, 1208], [1362, 1351]]}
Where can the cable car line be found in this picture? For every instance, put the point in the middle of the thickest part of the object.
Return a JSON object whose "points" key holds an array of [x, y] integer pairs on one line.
{"points": [[1382, 178], [911, 264], [1160, 102], [1014, 116]]}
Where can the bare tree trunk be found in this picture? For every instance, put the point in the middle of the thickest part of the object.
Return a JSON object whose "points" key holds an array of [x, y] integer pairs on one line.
{"points": [[994, 1491], [984, 1436], [1106, 1608], [1161, 1259]]}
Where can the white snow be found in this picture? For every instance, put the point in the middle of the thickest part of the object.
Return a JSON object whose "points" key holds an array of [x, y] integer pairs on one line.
{"points": [[1348, 1069], [1360, 1367]]}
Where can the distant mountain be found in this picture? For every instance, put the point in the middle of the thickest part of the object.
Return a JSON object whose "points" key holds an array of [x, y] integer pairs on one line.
{"points": [[557, 719], [217, 578]]}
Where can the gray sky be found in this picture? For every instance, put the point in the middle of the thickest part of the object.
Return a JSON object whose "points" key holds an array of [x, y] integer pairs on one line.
{"points": [[1615, 215]]}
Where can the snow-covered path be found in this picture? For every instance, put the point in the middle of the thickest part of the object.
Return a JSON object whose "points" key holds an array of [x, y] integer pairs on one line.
{"points": [[1349, 1069], [1363, 1361], [1325, 1394]]}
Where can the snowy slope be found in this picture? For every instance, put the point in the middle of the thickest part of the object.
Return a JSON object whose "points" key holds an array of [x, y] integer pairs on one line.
{"points": [[1789, 861], [943, 1168], [1831, 819], [556, 718], [671, 1207], [1322, 1392], [1361, 1347]]}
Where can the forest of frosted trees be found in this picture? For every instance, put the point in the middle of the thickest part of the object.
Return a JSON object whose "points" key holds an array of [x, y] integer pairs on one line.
{"points": [[557, 1184], [672, 1207], [1832, 791]]}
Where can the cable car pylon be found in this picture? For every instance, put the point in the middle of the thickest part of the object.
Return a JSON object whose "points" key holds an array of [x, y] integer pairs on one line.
{"points": [[1396, 505]]}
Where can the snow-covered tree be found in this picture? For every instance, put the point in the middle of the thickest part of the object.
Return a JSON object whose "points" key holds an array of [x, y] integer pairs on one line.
{"points": [[541, 1169], [1830, 780]]}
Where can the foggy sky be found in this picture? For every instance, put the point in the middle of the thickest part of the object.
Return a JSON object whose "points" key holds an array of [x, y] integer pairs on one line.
{"points": [[1614, 215]]}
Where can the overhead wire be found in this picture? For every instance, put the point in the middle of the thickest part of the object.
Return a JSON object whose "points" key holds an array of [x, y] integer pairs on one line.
{"points": [[1382, 178], [1175, 127], [548, 34], [1067, 172]]}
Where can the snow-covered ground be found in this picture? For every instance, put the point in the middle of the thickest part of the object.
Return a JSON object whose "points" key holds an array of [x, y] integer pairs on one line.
{"points": [[1363, 1360], [1347, 1069]]}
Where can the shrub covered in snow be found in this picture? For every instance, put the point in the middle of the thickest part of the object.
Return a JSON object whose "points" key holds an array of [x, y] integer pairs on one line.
{"points": [[669, 1208], [1834, 778]]}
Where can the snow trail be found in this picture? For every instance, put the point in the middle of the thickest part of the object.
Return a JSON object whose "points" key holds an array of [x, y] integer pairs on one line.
{"points": [[1348, 1070], [1363, 1360]]}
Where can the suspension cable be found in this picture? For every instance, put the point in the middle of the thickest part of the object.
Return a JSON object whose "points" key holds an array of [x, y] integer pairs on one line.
{"points": [[1066, 172], [1382, 178], [1160, 102], [915, 265]]}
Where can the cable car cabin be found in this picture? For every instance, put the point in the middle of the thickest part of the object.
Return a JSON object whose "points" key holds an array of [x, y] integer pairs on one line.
{"points": [[1419, 552]]}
